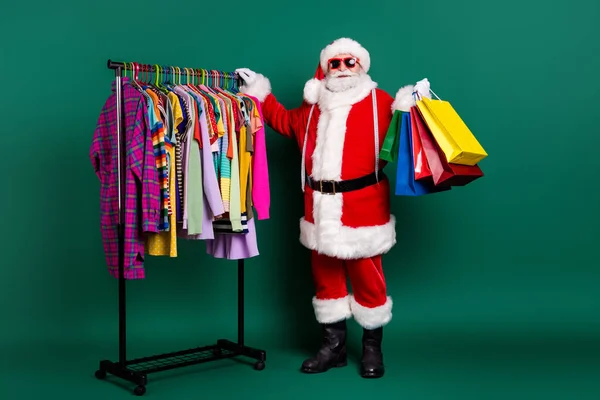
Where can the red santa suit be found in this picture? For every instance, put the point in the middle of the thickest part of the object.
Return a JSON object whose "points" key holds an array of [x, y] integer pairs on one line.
{"points": [[340, 135]]}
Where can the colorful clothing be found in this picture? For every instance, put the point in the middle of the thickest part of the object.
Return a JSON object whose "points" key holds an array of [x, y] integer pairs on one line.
{"points": [[178, 120], [165, 243], [196, 162], [141, 180], [261, 193], [195, 205], [160, 154]]}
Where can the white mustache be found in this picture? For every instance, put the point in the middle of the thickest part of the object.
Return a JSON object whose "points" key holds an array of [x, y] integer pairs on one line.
{"points": [[343, 73]]}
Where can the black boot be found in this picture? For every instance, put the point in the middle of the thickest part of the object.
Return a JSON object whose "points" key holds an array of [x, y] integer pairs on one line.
{"points": [[332, 352], [372, 358]]}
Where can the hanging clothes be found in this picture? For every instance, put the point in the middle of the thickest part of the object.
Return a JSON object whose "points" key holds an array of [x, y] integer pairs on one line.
{"points": [[165, 242], [140, 166], [196, 170]]}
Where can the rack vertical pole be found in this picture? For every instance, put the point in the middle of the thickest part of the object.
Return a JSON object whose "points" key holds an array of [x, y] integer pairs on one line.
{"points": [[241, 302], [121, 145]]}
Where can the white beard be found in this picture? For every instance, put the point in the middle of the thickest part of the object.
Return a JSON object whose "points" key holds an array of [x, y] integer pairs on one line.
{"points": [[333, 92], [335, 83]]}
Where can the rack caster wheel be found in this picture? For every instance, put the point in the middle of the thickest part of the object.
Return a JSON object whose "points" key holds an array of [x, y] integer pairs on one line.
{"points": [[259, 365], [100, 374], [139, 391]]}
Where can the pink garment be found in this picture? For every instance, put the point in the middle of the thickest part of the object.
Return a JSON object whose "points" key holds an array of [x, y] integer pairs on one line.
{"points": [[261, 195]]}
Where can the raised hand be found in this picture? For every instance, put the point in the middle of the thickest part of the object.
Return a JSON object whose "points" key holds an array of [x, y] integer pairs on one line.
{"points": [[247, 75], [422, 87]]}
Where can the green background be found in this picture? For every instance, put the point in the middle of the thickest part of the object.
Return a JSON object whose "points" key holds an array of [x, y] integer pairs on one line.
{"points": [[495, 284]]}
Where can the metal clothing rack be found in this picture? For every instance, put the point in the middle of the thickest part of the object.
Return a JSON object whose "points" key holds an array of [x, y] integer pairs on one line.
{"points": [[137, 370]]}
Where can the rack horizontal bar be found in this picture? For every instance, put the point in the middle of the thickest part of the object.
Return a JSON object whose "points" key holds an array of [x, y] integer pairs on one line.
{"points": [[180, 71]]}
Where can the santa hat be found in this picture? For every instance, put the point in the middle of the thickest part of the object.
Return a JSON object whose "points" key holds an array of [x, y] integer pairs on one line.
{"points": [[340, 46], [348, 46]]}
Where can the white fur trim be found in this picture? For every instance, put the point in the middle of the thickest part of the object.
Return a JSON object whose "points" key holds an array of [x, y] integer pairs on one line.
{"points": [[345, 45], [329, 147], [329, 100], [259, 88], [328, 236], [331, 128], [404, 99], [312, 90], [329, 311], [371, 318]]}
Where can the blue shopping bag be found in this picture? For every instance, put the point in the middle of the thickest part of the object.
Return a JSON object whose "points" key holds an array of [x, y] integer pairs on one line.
{"points": [[406, 185]]}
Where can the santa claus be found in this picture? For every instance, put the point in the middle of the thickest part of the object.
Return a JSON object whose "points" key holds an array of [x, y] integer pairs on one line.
{"points": [[347, 223]]}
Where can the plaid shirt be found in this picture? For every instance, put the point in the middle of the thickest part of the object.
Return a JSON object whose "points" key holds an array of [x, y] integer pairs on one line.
{"points": [[141, 180]]}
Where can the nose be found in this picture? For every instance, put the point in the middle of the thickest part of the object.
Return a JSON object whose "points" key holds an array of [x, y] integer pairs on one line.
{"points": [[343, 67]]}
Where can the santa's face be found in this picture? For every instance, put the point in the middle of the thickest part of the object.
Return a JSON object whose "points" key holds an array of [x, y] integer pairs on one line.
{"points": [[343, 72]]}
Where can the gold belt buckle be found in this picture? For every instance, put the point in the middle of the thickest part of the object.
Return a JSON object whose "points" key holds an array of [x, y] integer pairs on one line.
{"points": [[321, 186]]}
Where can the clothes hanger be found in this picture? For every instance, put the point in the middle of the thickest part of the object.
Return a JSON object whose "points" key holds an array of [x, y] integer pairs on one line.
{"points": [[138, 84], [168, 82], [231, 84], [224, 83], [187, 84], [134, 76], [147, 82], [190, 80], [169, 78], [214, 81], [230, 81], [235, 86], [206, 84], [158, 73], [224, 89]]}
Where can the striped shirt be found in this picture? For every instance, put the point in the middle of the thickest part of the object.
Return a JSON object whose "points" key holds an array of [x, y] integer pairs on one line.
{"points": [[141, 180], [157, 128], [179, 121]]}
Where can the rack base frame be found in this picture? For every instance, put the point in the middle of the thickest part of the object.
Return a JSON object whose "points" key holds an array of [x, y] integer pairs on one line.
{"points": [[137, 370]]}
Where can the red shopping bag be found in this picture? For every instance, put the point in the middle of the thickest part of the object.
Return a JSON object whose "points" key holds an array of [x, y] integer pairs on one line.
{"points": [[421, 167], [443, 172]]}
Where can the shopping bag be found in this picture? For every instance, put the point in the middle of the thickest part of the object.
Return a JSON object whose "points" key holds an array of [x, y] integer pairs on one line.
{"points": [[406, 184], [389, 148], [443, 172], [422, 169], [450, 132]]}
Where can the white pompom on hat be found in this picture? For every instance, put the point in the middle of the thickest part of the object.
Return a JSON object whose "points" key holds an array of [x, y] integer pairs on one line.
{"points": [[312, 88]]}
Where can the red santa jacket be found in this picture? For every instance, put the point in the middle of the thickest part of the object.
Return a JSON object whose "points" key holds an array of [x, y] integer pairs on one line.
{"points": [[340, 145]]}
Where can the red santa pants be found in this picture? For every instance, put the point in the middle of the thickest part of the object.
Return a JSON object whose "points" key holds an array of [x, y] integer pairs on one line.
{"points": [[368, 304]]}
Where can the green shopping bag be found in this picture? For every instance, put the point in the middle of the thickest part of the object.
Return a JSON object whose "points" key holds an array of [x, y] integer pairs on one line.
{"points": [[389, 149]]}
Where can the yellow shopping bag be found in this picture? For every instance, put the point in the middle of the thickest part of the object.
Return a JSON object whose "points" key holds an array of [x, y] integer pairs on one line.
{"points": [[450, 132]]}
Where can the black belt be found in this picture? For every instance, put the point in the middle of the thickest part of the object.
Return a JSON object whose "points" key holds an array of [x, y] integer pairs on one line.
{"points": [[332, 187]]}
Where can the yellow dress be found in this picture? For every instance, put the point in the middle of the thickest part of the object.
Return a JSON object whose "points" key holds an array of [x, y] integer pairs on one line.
{"points": [[165, 243]]}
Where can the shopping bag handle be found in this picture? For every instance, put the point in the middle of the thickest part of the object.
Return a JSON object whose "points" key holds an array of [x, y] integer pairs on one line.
{"points": [[417, 94]]}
